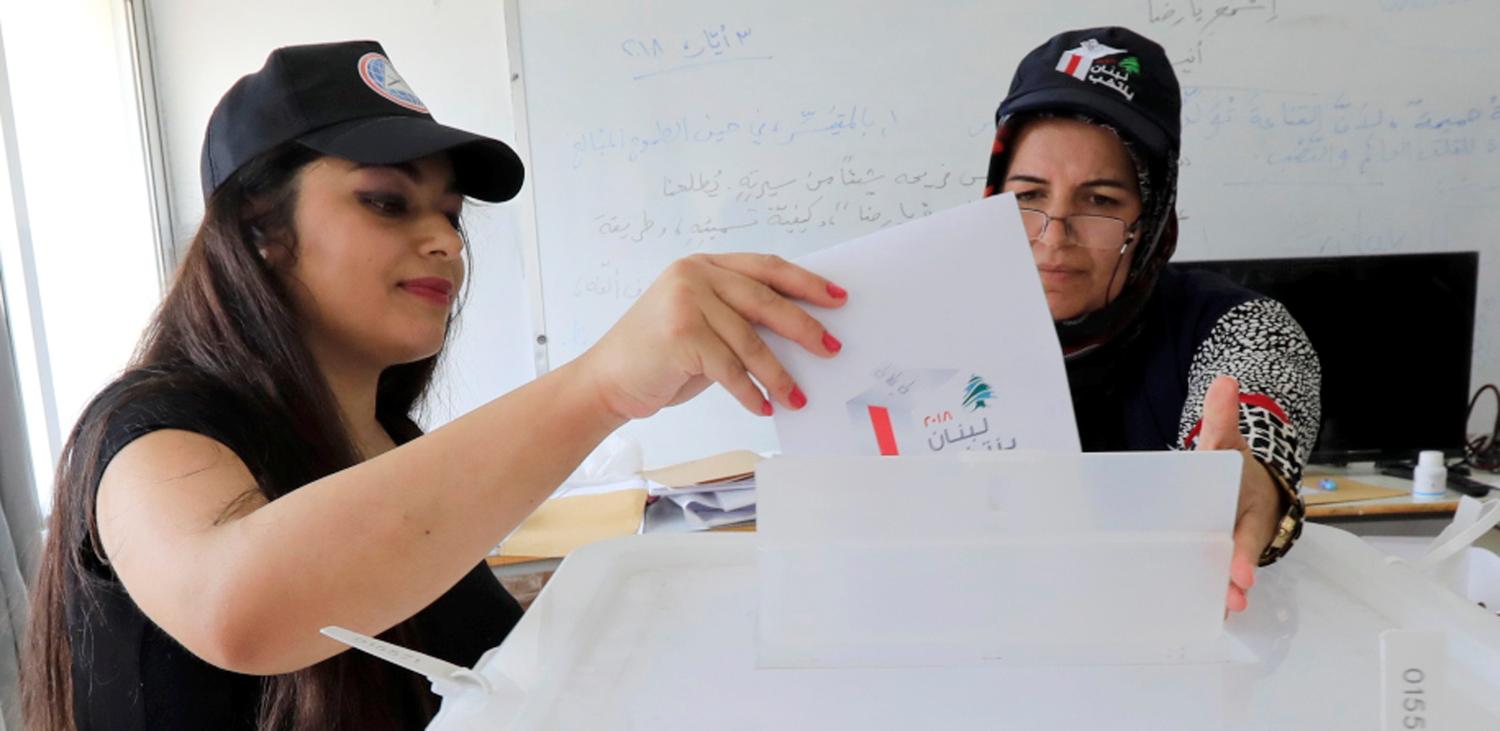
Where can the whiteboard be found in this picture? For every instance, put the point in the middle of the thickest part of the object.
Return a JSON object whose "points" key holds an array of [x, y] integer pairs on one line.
{"points": [[661, 128]]}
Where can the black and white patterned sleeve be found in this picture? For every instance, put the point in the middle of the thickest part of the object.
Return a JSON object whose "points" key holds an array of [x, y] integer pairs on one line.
{"points": [[1261, 346]]}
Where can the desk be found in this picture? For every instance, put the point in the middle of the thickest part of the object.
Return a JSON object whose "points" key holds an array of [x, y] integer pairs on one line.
{"points": [[1400, 515], [524, 576]]}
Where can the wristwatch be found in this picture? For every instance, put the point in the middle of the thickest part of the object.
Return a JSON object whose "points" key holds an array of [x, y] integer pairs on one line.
{"points": [[1289, 527]]}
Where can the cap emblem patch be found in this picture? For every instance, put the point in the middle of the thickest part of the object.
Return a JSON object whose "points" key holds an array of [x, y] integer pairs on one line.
{"points": [[1090, 62], [378, 74]]}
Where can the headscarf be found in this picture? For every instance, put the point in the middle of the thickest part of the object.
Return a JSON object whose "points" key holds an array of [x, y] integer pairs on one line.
{"points": [[1078, 74]]}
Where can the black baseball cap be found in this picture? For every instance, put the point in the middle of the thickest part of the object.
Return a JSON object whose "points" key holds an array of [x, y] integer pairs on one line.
{"points": [[1113, 74], [346, 100]]}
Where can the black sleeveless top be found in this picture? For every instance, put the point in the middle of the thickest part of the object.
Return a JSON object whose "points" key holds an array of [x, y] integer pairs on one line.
{"points": [[129, 675]]}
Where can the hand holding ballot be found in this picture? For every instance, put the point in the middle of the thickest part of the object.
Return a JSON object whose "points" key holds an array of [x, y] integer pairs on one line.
{"points": [[696, 325]]}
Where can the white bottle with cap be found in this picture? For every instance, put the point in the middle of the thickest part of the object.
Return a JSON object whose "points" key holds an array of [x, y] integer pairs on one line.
{"points": [[1430, 477]]}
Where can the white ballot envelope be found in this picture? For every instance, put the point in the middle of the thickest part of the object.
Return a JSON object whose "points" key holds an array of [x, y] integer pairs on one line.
{"points": [[948, 344]]}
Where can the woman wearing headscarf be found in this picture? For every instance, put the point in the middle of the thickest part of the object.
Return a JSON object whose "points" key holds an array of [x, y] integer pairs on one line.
{"points": [[1088, 140]]}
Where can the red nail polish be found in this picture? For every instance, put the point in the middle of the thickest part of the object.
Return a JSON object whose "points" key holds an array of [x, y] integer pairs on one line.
{"points": [[836, 291], [765, 408], [831, 343], [796, 398]]}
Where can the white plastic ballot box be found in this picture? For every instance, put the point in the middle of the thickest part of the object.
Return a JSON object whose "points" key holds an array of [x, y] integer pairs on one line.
{"points": [[667, 632]]}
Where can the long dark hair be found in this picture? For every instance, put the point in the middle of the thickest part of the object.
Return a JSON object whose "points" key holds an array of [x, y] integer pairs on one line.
{"points": [[227, 324]]}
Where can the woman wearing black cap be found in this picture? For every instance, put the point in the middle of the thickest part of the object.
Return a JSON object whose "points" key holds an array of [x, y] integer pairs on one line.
{"points": [[256, 475], [1088, 139]]}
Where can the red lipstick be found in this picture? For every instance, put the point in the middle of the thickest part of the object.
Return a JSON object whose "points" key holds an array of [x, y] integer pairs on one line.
{"points": [[433, 289]]}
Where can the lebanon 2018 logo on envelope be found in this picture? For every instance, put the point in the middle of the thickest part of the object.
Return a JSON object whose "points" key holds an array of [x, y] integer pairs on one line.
{"points": [[926, 411]]}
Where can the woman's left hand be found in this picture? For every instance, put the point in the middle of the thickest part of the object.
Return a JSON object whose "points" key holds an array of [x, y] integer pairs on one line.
{"points": [[1260, 499]]}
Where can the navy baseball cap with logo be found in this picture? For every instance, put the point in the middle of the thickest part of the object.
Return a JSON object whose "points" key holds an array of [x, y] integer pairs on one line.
{"points": [[346, 100], [1113, 74]]}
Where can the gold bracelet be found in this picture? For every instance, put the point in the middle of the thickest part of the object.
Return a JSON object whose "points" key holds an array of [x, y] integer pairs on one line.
{"points": [[1290, 526]]}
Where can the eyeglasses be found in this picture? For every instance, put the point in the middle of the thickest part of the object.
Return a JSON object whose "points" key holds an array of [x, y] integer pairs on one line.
{"points": [[1089, 231]]}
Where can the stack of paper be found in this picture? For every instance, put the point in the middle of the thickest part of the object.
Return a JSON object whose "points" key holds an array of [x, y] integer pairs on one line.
{"points": [[702, 494], [604, 498], [576, 516]]}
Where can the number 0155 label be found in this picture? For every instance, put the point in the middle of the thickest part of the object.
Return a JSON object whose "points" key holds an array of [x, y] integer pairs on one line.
{"points": [[1411, 680]]}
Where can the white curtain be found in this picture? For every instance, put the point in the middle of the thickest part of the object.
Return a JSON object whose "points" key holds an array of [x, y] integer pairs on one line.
{"points": [[12, 626], [20, 529]]}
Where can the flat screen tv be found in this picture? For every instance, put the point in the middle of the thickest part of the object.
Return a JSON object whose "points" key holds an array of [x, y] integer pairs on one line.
{"points": [[1395, 335]]}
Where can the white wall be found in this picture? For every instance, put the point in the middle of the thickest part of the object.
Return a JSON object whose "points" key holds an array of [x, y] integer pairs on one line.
{"points": [[671, 126], [454, 54], [91, 280], [451, 52]]}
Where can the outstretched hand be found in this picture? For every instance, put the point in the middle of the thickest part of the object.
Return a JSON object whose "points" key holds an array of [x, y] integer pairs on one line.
{"points": [[1260, 500], [696, 324]]}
